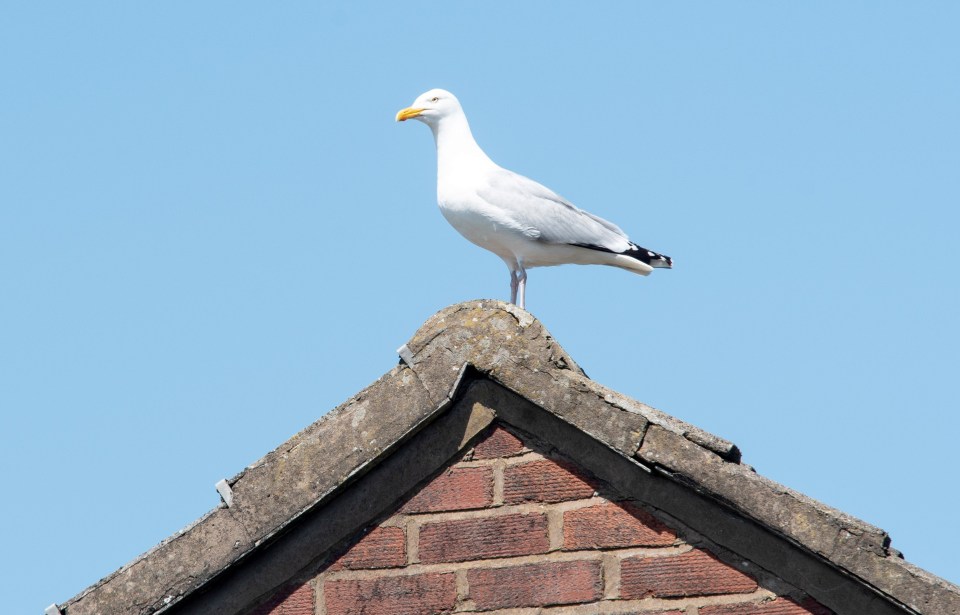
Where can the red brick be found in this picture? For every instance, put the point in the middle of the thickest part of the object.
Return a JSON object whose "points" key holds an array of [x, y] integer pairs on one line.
{"points": [[542, 584], [780, 606], [383, 547], [484, 537], [544, 481], [458, 488], [292, 600], [694, 573], [392, 595], [500, 443], [612, 525]]}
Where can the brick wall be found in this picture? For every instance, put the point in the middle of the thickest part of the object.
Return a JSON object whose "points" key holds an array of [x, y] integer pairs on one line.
{"points": [[509, 529]]}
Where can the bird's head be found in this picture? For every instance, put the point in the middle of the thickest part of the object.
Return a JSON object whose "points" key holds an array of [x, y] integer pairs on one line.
{"points": [[431, 107]]}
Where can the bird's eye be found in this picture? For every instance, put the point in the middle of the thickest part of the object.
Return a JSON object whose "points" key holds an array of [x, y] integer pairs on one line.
{"points": [[435, 99]]}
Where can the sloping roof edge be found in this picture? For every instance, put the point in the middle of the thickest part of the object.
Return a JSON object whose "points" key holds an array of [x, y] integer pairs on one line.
{"points": [[507, 345]]}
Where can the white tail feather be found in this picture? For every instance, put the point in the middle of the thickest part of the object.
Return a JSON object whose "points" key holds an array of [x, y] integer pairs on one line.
{"points": [[626, 262]]}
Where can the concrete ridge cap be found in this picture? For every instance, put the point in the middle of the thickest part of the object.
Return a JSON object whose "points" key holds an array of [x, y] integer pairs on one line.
{"points": [[480, 315], [847, 542], [141, 557], [218, 534], [274, 491], [477, 320], [848, 521], [704, 439], [359, 440], [926, 576], [742, 487], [331, 415], [523, 317]]}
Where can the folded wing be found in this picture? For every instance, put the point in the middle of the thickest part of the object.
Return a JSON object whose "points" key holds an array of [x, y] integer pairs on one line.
{"points": [[546, 216]]}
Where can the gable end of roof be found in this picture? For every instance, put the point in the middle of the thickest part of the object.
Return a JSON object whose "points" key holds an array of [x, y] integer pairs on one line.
{"points": [[467, 366]]}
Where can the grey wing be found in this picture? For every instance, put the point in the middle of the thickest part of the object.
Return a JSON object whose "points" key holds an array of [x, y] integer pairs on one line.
{"points": [[543, 214]]}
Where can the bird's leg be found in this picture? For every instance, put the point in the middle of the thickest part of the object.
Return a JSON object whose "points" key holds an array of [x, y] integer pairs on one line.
{"points": [[514, 282], [522, 287]]}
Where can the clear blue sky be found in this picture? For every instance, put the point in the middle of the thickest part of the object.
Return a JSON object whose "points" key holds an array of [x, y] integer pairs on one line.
{"points": [[212, 232]]}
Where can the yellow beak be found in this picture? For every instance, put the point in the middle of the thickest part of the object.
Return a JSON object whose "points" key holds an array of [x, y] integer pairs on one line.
{"points": [[406, 114]]}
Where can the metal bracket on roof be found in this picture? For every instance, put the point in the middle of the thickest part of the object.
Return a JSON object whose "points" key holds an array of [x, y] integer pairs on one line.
{"points": [[226, 493], [455, 387], [405, 355], [53, 609]]}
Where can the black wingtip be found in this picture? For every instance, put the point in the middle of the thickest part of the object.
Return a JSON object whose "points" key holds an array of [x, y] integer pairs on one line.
{"points": [[655, 260], [658, 261]]}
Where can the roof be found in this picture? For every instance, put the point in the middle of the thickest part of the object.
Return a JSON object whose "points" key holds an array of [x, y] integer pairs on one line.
{"points": [[469, 365]]}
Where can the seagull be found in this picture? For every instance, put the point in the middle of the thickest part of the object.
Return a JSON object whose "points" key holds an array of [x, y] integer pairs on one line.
{"points": [[524, 223]]}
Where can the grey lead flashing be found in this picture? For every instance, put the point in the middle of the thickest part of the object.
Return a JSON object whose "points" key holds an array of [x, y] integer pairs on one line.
{"points": [[226, 493], [405, 355]]}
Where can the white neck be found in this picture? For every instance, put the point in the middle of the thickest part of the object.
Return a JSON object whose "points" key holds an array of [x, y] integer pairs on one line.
{"points": [[455, 143]]}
